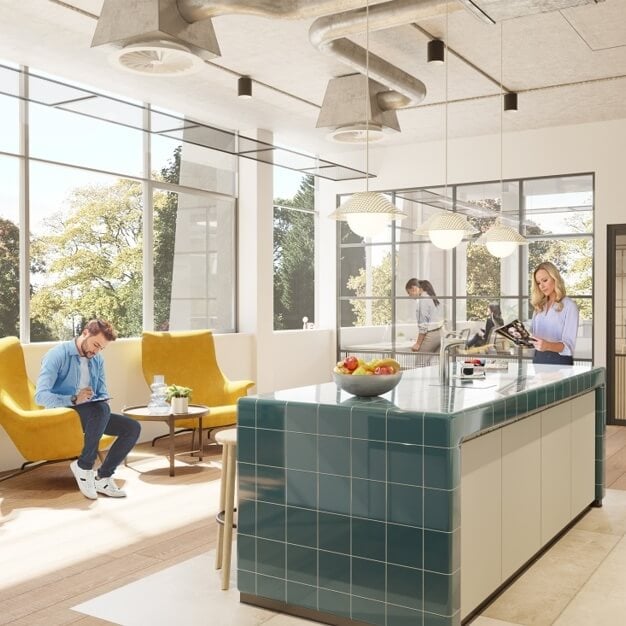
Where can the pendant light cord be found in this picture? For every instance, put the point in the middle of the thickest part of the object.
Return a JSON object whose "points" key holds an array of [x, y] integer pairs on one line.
{"points": [[498, 221], [367, 96], [445, 117]]}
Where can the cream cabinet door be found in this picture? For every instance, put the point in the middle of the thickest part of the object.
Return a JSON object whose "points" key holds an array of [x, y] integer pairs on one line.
{"points": [[583, 452], [481, 504], [556, 466], [521, 493]]}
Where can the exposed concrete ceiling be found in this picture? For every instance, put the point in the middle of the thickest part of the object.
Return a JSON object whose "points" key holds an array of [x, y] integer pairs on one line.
{"points": [[569, 67]]}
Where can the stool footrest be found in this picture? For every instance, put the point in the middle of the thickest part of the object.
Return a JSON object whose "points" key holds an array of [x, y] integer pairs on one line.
{"points": [[219, 518]]}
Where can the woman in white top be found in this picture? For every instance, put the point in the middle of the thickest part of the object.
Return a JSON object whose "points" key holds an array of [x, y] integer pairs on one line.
{"points": [[429, 317], [554, 326]]}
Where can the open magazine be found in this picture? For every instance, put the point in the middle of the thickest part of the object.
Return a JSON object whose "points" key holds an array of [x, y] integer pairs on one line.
{"points": [[516, 332]]}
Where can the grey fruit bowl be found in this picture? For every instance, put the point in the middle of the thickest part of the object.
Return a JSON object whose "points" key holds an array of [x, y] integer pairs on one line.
{"points": [[367, 386]]}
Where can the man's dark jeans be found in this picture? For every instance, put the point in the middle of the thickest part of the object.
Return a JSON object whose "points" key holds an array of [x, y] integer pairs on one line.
{"points": [[97, 420]]}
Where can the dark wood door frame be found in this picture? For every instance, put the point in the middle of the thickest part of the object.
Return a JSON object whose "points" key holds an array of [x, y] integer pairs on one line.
{"points": [[612, 232]]}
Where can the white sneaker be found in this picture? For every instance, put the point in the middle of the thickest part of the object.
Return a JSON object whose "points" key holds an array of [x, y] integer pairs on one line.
{"points": [[85, 479], [108, 487]]}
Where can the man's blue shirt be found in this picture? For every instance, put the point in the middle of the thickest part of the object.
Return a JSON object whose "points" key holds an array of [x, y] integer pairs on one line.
{"points": [[60, 375]]}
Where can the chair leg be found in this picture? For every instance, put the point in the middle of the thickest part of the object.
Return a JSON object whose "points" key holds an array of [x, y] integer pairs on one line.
{"points": [[220, 523], [228, 516]]}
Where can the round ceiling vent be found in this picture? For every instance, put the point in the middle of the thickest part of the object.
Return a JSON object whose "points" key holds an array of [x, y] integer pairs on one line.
{"points": [[357, 133], [157, 58]]}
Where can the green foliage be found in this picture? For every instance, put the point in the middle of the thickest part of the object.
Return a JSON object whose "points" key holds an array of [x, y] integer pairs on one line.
{"points": [[294, 254], [9, 278], [165, 210], [178, 391], [92, 259], [381, 288]]}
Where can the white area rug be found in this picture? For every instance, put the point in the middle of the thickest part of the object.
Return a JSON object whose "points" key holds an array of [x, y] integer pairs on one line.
{"points": [[188, 593]]}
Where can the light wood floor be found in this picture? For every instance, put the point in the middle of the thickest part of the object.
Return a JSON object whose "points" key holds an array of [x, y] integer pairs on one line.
{"points": [[58, 549]]}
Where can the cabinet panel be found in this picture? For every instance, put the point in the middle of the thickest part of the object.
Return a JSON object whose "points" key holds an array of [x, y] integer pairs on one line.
{"points": [[481, 505], [521, 493], [556, 466], [583, 452]]}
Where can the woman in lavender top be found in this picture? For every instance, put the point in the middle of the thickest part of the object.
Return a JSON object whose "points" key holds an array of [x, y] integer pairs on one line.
{"points": [[555, 320]]}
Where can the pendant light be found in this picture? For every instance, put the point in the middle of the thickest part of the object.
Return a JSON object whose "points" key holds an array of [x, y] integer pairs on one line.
{"points": [[368, 213], [502, 241], [445, 229]]}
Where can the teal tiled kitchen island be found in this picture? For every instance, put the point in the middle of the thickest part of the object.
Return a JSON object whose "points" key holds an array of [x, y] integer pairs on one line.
{"points": [[412, 508]]}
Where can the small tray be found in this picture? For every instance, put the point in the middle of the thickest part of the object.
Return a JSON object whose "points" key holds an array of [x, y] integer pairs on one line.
{"points": [[474, 376]]}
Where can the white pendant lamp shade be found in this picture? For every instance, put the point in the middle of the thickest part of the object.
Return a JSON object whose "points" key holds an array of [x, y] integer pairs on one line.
{"points": [[368, 213], [445, 230], [501, 241]]}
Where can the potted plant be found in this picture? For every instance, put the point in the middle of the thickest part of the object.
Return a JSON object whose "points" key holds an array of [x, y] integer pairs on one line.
{"points": [[179, 398]]}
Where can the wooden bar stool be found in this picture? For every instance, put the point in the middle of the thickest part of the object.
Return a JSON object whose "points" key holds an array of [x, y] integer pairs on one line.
{"points": [[228, 440]]}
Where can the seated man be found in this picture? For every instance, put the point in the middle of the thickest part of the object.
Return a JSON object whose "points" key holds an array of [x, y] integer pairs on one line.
{"points": [[72, 374]]}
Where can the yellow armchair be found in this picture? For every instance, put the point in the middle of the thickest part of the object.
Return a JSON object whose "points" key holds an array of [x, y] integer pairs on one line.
{"points": [[188, 358], [38, 434]]}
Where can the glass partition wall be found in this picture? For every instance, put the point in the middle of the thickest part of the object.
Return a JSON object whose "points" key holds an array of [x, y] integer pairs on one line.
{"points": [[555, 214]]}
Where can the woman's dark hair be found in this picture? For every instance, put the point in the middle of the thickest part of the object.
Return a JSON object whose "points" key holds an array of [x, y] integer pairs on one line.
{"points": [[428, 288], [496, 313]]}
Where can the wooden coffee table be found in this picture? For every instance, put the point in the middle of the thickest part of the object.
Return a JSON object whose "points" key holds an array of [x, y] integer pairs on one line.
{"points": [[144, 414]]}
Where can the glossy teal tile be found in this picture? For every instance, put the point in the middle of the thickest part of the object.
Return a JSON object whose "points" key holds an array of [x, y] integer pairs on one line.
{"points": [[510, 407], [442, 467], [270, 521], [302, 595], [404, 586], [301, 417], [302, 527], [301, 451], [541, 397], [437, 429], [368, 424], [368, 579], [368, 459], [334, 603], [246, 522], [431, 619], [441, 509], [334, 494], [531, 400], [270, 447], [404, 464], [368, 611], [246, 473], [403, 616], [442, 593], [302, 489], [368, 539], [499, 412], [404, 545], [334, 532], [405, 427], [442, 551], [273, 588], [522, 403], [271, 484], [334, 455], [334, 420], [246, 445], [246, 582], [334, 571], [270, 558], [270, 414], [246, 412], [369, 499], [404, 504], [246, 552], [302, 564]]}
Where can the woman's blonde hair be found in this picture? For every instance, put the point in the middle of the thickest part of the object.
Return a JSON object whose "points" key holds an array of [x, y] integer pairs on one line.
{"points": [[537, 299]]}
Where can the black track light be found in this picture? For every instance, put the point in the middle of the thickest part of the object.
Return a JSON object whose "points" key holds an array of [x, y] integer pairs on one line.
{"points": [[510, 101], [244, 87], [435, 51]]}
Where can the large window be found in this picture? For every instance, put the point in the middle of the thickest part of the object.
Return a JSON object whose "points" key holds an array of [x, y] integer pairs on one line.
{"points": [[294, 250], [555, 215], [99, 169]]}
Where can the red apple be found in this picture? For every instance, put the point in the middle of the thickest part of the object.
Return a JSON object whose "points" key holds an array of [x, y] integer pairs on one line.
{"points": [[351, 363]]}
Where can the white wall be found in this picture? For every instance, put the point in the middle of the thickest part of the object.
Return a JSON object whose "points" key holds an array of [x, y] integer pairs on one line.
{"points": [[597, 147]]}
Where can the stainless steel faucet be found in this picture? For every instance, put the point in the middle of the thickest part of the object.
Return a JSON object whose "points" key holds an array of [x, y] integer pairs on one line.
{"points": [[444, 356]]}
